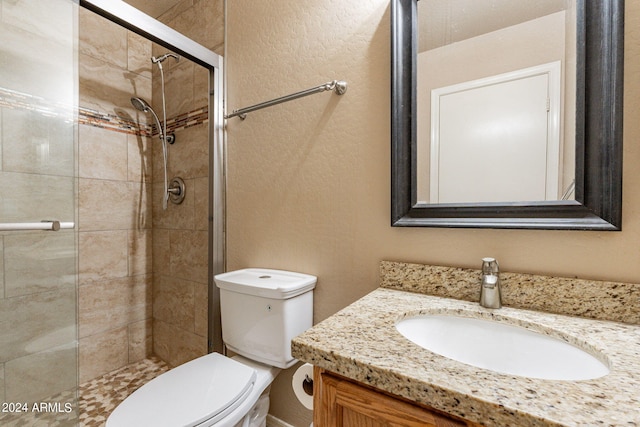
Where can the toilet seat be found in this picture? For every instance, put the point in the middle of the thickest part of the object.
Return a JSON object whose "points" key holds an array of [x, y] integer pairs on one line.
{"points": [[198, 392]]}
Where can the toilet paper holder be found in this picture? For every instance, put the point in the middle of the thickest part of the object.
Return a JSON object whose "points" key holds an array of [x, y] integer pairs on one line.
{"points": [[307, 385], [302, 383]]}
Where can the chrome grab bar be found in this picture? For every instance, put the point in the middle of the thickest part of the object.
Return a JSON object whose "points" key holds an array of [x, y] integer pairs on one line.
{"points": [[339, 86], [42, 225]]}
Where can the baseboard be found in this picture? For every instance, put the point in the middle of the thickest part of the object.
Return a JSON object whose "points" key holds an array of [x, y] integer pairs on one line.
{"points": [[276, 422]]}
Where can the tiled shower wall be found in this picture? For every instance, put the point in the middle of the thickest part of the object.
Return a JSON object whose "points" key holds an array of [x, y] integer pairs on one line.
{"points": [[143, 270], [180, 236], [114, 197]]}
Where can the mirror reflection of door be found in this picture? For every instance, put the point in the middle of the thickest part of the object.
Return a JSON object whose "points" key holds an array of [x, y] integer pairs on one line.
{"points": [[497, 139], [462, 41]]}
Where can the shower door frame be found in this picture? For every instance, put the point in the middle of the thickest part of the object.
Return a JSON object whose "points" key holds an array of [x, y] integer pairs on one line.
{"points": [[142, 24]]}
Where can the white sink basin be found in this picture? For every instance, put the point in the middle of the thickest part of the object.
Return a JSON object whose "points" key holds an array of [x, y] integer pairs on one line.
{"points": [[501, 347]]}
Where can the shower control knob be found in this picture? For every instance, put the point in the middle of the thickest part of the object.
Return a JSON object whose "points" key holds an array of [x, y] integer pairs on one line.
{"points": [[176, 190]]}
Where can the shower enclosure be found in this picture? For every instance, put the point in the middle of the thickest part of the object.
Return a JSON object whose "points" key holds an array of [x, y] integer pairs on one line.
{"points": [[38, 100], [44, 271]]}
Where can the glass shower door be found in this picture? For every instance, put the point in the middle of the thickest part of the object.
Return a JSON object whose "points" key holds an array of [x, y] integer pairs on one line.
{"points": [[38, 237]]}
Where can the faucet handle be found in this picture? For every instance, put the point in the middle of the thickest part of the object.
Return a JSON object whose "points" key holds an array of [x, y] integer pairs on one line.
{"points": [[490, 266], [490, 294]]}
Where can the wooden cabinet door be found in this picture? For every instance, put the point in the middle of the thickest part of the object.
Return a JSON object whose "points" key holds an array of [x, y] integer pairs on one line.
{"points": [[342, 403]]}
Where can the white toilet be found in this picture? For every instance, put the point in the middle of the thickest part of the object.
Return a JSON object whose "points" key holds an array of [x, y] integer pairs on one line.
{"points": [[262, 310]]}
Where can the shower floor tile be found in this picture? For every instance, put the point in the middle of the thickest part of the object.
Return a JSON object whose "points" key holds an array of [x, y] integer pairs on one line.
{"points": [[99, 397], [96, 398]]}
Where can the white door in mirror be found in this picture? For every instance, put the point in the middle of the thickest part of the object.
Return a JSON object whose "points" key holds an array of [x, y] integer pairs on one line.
{"points": [[497, 139]]}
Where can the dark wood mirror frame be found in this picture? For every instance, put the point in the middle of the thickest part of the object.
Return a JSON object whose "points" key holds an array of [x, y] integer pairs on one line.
{"points": [[599, 95]]}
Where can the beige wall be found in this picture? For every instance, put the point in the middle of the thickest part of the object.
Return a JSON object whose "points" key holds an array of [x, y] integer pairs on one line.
{"points": [[309, 183]]}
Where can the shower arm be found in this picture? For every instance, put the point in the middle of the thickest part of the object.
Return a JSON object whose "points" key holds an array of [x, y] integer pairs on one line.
{"points": [[161, 58]]}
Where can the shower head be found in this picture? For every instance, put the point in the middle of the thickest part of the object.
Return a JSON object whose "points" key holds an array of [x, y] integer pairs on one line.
{"points": [[140, 104], [144, 106]]}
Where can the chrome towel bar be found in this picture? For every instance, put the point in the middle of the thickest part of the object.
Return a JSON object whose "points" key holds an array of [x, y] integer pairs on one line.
{"points": [[339, 86], [42, 225]]}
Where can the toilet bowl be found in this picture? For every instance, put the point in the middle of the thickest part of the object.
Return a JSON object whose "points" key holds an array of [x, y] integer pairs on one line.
{"points": [[261, 311]]}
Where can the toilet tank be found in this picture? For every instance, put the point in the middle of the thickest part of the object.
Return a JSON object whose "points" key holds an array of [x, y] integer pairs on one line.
{"points": [[263, 310]]}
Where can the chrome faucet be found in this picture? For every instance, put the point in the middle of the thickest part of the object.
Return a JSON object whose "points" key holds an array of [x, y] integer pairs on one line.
{"points": [[490, 288]]}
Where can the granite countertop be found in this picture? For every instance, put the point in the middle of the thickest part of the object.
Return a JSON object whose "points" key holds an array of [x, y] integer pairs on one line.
{"points": [[361, 342]]}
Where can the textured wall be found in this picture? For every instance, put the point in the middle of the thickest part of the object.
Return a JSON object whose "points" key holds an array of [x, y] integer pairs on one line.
{"points": [[309, 181]]}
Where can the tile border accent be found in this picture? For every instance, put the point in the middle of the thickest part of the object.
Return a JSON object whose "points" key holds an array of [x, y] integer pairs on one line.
{"points": [[593, 299], [118, 124], [186, 120], [87, 116], [18, 100]]}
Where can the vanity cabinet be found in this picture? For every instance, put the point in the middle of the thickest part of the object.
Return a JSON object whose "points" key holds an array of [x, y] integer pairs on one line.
{"points": [[340, 402]]}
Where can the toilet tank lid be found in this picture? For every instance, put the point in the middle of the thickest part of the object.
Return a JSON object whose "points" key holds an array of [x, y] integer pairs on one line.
{"points": [[275, 284]]}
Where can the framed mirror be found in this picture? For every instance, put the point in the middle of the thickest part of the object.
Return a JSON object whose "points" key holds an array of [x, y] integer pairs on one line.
{"points": [[444, 174]]}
